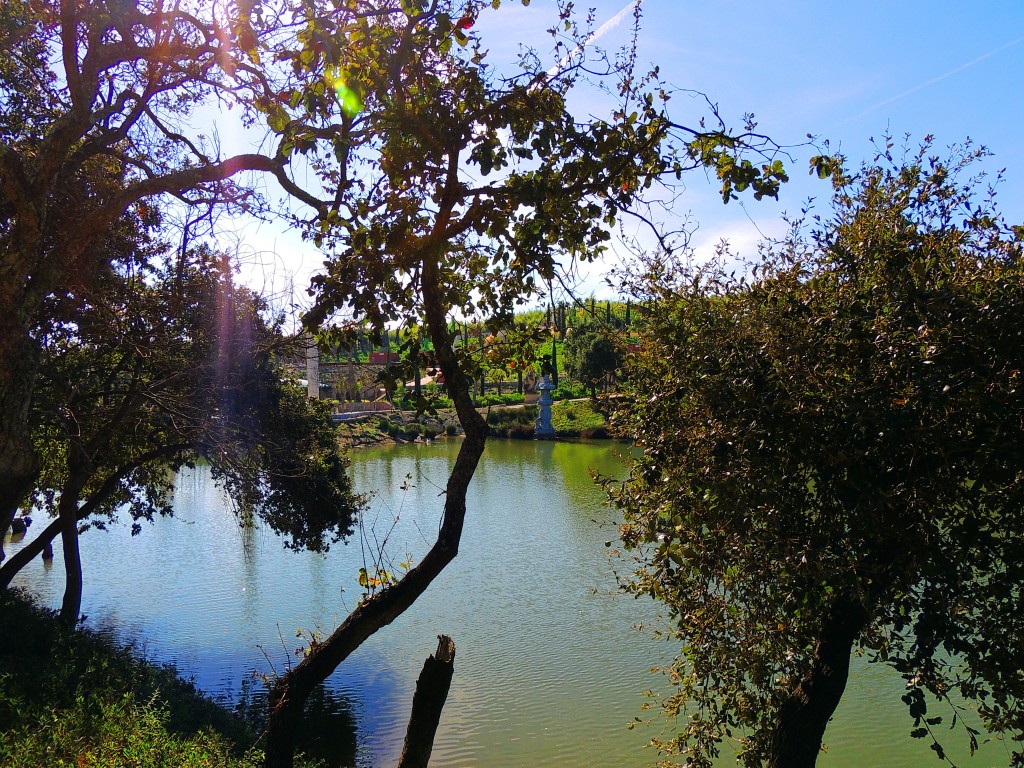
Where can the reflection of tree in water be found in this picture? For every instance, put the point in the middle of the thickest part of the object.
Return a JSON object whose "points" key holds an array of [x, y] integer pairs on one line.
{"points": [[328, 731]]}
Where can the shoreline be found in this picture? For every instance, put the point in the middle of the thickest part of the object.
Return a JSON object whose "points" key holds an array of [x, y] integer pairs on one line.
{"points": [[573, 419]]}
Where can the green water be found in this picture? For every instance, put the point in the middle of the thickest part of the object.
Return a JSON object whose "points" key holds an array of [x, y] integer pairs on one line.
{"points": [[550, 664]]}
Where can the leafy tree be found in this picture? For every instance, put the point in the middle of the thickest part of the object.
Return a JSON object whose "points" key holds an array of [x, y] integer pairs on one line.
{"points": [[157, 366], [456, 190], [833, 460], [97, 105], [591, 355]]}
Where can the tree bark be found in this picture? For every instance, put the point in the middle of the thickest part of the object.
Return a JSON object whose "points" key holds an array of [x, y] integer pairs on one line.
{"points": [[71, 606], [796, 740], [432, 688], [28, 553], [67, 514], [288, 697], [6, 518], [18, 366]]}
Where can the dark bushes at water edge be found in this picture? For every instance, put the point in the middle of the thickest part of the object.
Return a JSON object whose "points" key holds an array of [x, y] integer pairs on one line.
{"points": [[73, 698], [410, 430], [513, 422], [571, 419]]}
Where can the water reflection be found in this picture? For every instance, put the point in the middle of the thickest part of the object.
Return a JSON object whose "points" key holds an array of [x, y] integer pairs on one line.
{"points": [[548, 669]]}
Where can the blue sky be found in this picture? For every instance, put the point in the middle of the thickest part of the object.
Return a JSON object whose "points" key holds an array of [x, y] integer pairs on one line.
{"points": [[845, 72], [848, 72]]}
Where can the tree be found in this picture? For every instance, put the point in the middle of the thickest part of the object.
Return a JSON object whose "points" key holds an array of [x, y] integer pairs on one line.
{"points": [[454, 190], [159, 365], [592, 354], [833, 460], [97, 103]]}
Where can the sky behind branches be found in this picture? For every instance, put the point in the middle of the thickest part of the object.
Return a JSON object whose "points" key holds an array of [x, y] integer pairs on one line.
{"points": [[842, 72]]}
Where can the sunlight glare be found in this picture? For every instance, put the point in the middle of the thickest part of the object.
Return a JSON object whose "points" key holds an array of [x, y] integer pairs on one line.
{"points": [[349, 100]]}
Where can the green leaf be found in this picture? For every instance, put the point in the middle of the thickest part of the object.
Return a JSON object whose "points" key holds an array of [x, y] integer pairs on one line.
{"points": [[277, 118]]}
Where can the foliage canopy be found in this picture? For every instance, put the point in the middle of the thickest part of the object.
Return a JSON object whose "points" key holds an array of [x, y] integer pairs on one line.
{"points": [[591, 354], [450, 188], [833, 458]]}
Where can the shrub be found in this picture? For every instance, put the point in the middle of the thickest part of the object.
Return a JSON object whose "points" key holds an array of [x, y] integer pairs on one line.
{"points": [[72, 698], [485, 401], [577, 419], [521, 431], [571, 391], [506, 421]]}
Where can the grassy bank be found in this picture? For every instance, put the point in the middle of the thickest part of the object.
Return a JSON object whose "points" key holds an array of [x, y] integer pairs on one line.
{"points": [[578, 418], [74, 699], [570, 418]]}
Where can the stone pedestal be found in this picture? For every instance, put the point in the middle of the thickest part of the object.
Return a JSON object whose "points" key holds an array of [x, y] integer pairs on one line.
{"points": [[312, 368], [543, 430]]}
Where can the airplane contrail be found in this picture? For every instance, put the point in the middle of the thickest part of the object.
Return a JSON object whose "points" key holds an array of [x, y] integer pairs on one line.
{"points": [[596, 35], [933, 81]]}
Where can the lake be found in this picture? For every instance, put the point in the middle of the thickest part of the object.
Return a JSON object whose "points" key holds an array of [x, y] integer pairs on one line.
{"points": [[551, 658]]}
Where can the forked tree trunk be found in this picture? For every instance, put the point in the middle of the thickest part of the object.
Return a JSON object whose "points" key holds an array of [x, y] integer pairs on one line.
{"points": [[796, 740], [27, 553]]}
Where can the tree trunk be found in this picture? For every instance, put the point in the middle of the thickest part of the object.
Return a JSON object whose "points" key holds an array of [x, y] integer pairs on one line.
{"points": [[26, 554], [18, 365], [71, 606], [41, 543], [432, 688], [6, 518], [68, 515], [417, 386], [796, 740], [288, 697]]}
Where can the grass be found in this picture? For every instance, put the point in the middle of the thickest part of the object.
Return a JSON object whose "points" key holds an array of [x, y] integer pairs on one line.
{"points": [[74, 700], [569, 418], [577, 418]]}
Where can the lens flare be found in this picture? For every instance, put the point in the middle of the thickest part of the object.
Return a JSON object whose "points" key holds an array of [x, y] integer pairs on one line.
{"points": [[349, 100]]}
